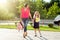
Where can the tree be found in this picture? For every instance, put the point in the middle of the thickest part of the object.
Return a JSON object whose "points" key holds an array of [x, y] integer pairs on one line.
{"points": [[58, 1], [44, 13], [37, 5], [53, 10], [9, 10]]}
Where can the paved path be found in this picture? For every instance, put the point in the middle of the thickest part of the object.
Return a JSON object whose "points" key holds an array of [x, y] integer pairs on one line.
{"points": [[12, 34]]}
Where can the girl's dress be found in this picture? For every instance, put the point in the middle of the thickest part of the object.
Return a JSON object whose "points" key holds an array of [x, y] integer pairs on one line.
{"points": [[36, 22]]}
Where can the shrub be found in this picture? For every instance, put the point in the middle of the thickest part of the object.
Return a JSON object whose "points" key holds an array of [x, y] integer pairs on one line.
{"points": [[50, 25]]}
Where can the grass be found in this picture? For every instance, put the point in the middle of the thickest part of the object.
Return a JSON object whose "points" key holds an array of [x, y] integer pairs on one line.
{"points": [[46, 28], [43, 28], [8, 26]]}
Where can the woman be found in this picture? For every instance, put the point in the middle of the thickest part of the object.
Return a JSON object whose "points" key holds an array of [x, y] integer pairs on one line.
{"points": [[25, 14]]}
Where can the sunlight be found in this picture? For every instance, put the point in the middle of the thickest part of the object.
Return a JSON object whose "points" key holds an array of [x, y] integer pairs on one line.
{"points": [[3, 1]]}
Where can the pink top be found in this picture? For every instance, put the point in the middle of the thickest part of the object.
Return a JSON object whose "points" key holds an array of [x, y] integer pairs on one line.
{"points": [[25, 13]]}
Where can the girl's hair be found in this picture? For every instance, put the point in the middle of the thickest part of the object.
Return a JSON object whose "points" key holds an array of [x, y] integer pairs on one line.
{"points": [[36, 12]]}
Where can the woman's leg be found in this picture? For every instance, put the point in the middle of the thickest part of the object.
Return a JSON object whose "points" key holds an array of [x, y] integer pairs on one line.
{"points": [[25, 27], [25, 31]]}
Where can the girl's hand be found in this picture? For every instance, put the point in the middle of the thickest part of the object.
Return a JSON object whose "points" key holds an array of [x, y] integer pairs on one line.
{"points": [[32, 20]]}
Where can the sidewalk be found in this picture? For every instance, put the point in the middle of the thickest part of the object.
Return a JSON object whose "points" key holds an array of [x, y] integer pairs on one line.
{"points": [[12, 34]]}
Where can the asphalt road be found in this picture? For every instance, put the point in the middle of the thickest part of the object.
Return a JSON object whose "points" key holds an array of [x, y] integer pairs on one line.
{"points": [[13, 34]]}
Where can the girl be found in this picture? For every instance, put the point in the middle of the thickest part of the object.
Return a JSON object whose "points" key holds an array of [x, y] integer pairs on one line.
{"points": [[36, 20]]}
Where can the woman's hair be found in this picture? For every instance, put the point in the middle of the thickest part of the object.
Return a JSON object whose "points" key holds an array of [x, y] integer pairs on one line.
{"points": [[25, 5]]}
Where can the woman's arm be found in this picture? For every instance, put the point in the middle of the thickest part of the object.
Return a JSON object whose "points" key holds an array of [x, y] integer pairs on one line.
{"points": [[39, 15], [30, 15]]}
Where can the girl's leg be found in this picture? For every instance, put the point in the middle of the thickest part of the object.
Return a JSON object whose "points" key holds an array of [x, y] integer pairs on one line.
{"points": [[35, 31], [39, 32]]}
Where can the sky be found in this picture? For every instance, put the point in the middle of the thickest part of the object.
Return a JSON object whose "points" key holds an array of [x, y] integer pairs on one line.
{"points": [[47, 0]]}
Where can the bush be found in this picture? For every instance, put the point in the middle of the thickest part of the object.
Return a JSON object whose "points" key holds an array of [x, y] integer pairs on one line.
{"points": [[50, 25]]}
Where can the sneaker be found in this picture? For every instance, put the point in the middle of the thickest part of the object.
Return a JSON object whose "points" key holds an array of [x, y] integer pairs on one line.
{"points": [[24, 35], [40, 35], [35, 35]]}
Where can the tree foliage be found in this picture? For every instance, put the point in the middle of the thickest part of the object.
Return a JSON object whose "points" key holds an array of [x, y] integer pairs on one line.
{"points": [[46, 10], [52, 11]]}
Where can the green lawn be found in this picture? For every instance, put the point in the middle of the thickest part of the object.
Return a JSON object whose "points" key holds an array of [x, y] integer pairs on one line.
{"points": [[8, 26], [43, 28], [46, 28]]}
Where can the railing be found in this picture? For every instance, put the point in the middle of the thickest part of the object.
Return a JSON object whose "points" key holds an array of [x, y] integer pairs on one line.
{"points": [[42, 22]]}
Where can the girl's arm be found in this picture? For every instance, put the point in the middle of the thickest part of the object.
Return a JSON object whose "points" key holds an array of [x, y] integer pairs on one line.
{"points": [[33, 18]]}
